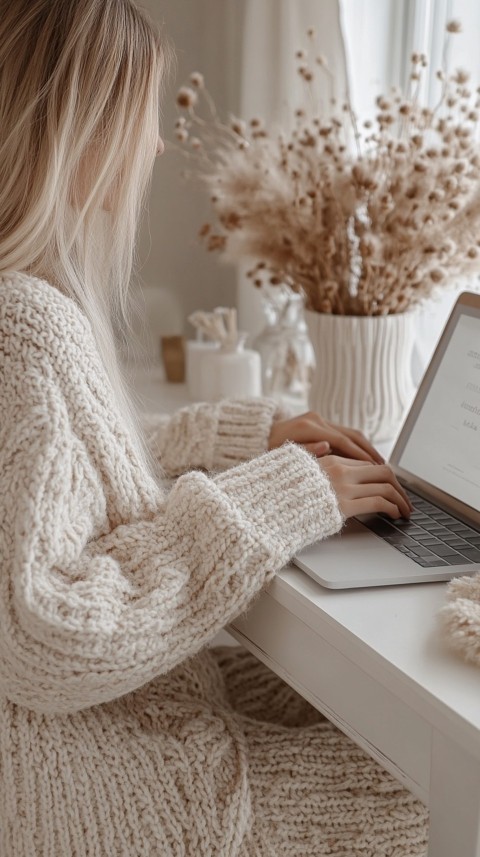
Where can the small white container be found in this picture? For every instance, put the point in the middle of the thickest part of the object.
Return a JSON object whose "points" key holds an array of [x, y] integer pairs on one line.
{"points": [[195, 351], [230, 371]]}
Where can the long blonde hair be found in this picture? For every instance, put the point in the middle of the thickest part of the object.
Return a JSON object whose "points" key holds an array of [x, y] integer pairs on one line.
{"points": [[79, 124]]}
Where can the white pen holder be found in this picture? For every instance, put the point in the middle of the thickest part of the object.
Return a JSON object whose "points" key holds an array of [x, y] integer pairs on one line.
{"points": [[194, 355], [230, 371]]}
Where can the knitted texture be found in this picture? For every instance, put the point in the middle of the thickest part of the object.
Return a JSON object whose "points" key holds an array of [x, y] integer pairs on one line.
{"points": [[211, 436], [120, 734], [461, 617], [341, 802]]}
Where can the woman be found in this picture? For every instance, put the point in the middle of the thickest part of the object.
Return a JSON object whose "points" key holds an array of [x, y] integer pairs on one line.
{"points": [[120, 734]]}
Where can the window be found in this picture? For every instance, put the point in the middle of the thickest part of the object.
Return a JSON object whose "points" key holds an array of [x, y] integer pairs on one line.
{"points": [[380, 36]]}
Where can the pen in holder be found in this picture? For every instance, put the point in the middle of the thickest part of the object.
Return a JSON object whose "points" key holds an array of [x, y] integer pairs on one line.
{"points": [[230, 369]]}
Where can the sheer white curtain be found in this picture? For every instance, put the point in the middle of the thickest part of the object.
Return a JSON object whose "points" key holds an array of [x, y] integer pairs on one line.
{"points": [[380, 36], [427, 34]]}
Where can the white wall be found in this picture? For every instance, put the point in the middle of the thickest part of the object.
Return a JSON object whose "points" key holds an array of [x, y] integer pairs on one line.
{"points": [[171, 256], [245, 49]]}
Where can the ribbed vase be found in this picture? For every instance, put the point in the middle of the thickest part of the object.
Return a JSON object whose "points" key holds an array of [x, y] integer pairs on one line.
{"points": [[363, 375]]}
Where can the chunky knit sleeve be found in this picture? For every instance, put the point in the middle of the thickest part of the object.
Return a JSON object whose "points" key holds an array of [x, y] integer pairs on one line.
{"points": [[211, 436], [106, 582]]}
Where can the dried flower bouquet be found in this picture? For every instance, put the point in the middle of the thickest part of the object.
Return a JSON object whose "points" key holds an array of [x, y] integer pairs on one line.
{"points": [[363, 219]]}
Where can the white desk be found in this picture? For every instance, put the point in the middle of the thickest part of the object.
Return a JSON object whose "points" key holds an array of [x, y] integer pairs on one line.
{"points": [[373, 661]]}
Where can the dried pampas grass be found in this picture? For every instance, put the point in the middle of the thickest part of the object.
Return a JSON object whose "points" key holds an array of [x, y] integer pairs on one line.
{"points": [[366, 220]]}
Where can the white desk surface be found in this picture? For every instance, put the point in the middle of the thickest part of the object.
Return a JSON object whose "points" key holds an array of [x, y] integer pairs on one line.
{"points": [[155, 393], [397, 636]]}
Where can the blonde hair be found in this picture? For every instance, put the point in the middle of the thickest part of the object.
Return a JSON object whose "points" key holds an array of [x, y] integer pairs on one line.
{"points": [[79, 124]]}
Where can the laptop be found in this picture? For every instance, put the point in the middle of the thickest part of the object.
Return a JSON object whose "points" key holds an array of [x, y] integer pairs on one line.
{"points": [[436, 458]]}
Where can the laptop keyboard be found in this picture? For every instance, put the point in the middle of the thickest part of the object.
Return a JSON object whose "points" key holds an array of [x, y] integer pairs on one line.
{"points": [[431, 537]]}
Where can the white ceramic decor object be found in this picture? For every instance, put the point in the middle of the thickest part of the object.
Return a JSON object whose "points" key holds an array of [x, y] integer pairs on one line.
{"points": [[363, 375], [195, 352], [230, 371]]}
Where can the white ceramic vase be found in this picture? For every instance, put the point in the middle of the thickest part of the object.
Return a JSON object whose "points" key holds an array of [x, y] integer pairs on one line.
{"points": [[227, 372], [363, 375]]}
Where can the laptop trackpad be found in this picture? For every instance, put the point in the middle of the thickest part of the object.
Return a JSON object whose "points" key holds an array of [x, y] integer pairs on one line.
{"points": [[356, 557], [353, 537], [358, 536]]}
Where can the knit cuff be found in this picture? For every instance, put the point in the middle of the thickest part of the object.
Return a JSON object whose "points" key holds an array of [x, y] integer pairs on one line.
{"points": [[243, 430], [285, 497]]}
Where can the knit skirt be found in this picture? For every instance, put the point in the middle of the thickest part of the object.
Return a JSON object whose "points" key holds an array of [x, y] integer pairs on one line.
{"points": [[218, 758], [313, 791]]}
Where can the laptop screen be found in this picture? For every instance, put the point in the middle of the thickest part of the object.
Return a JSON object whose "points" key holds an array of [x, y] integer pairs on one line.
{"points": [[443, 446]]}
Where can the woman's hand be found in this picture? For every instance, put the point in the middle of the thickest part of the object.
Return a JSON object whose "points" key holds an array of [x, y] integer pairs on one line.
{"points": [[321, 438], [363, 489]]}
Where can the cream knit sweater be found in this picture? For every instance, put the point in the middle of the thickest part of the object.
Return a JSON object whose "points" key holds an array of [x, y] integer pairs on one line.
{"points": [[120, 734]]}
